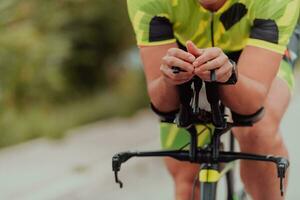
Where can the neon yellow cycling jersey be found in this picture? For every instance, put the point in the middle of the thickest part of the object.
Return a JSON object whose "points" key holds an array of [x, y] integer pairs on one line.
{"points": [[266, 24], [262, 23]]}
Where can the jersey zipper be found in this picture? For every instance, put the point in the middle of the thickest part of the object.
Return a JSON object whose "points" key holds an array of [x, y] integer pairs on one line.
{"points": [[213, 73], [212, 30]]}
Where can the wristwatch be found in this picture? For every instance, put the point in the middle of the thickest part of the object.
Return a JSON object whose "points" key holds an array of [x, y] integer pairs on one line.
{"points": [[234, 74]]}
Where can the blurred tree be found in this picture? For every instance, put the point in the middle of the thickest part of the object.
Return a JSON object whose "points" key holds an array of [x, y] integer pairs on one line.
{"points": [[99, 30], [51, 49], [30, 60], [55, 57]]}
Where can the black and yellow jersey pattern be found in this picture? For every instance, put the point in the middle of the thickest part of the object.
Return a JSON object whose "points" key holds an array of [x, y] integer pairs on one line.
{"points": [[263, 23]]}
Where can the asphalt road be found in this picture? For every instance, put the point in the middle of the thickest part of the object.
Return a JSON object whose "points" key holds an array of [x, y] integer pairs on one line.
{"points": [[79, 166]]}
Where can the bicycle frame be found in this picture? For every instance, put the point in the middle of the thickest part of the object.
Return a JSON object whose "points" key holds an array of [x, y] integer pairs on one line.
{"points": [[211, 155]]}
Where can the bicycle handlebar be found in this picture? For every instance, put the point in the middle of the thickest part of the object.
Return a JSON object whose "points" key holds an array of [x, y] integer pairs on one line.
{"points": [[202, 156]]}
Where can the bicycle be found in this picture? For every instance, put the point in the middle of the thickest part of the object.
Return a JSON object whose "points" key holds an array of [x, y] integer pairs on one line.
{"points": [[210, 155]]}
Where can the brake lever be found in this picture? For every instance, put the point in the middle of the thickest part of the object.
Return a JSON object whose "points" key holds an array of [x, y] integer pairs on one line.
{"points": [[117, 161], [117, 180], [282, 166]]}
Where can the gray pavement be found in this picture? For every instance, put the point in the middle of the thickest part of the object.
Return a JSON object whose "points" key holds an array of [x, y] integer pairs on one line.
{"points": [[79, 166]]}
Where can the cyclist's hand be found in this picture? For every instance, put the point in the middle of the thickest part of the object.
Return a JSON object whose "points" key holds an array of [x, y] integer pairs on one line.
{"points": [[211, 59], [177, 58]]}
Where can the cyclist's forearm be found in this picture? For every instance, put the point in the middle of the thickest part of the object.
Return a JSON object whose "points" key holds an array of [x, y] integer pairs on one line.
{"points": [[246, 97], [163, 95]]}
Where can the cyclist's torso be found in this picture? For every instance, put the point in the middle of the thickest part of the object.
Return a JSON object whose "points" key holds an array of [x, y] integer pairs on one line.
{"points": [[262, 23], [193, 22]]}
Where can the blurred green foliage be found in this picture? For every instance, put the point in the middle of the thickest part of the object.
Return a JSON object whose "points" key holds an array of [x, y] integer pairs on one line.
{"points": [[60, 66]]}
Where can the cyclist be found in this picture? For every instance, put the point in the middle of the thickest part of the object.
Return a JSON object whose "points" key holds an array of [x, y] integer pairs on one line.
{"points": [[252, 33]]}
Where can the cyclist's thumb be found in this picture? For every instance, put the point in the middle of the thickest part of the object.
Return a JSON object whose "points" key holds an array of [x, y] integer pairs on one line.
{"points": [[193, 49]]}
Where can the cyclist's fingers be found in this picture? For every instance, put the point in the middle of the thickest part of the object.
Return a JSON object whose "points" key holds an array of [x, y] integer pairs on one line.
{"points": [[205, 76], [174, 82], [173, 61], [216, 63], [193, 49], [221, 76], [224, 72], [182, 76], [207, 55], [179, 53], [198, 71], [224, 78]]}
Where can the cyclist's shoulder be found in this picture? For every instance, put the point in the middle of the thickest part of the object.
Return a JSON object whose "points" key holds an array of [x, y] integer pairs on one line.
{"points": [[274, 8], [146, 6], [271, 4]]}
